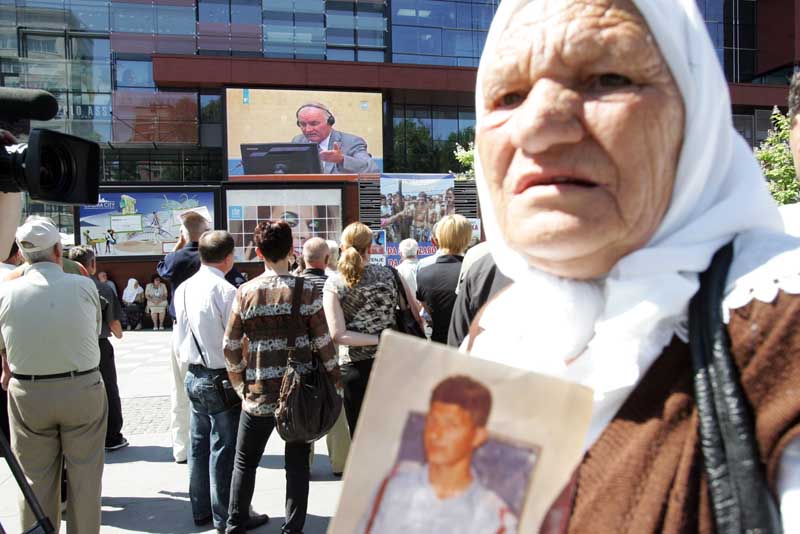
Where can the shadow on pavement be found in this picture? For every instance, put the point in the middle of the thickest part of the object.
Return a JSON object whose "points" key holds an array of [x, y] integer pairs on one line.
{"points": [[315, 524], [170, 514], [148, 453]]}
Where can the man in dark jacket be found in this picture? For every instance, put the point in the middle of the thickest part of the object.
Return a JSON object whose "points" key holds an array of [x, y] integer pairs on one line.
{"points": [[176, 267]]}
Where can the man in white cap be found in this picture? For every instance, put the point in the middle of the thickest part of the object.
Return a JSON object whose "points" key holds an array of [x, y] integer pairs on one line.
{"points": [[49, 325]]}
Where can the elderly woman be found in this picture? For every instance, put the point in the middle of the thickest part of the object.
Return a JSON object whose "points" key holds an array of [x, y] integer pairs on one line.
{"points": [[609, 174], [156, 294], [133, 304]]}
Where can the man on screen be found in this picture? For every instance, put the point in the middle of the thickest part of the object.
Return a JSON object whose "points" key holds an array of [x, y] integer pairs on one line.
{"points": [[341, 153]]}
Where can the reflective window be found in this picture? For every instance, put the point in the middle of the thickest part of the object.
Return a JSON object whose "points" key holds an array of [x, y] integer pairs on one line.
{"points": [[371, 56], [309, 41], [406, 39], [44, 46], [90, 48], [175, 20], [90, 76], [424, 60], [425, 137], [8, 13], [133, 18], [42, 13], [89, 15], [210, 108], [246, 11], [134, 73], [8, 42], [309, 6], [440, 32], [213, 11], [341, 54]]}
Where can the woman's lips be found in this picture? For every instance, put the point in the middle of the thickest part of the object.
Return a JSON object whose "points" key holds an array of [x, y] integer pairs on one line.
{"points": [[551, 179]]}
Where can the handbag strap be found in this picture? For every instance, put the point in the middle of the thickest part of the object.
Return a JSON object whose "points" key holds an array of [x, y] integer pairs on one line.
{"points": [[295, 327], [740, 498], [401, 291], [191, 330]]}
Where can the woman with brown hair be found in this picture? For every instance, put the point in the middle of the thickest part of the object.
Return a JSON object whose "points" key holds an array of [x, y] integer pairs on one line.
{"points": [[262, 311], [360, 302]]}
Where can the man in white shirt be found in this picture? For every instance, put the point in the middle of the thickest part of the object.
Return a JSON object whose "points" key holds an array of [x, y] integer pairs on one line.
{"points": [[409, 263], [202, 306]]}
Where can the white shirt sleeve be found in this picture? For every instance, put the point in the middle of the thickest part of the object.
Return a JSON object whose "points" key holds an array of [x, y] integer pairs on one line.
{"points": [[789, 486]]}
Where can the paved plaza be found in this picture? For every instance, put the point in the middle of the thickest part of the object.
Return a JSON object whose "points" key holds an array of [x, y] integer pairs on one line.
{"points": [[144, 490]]}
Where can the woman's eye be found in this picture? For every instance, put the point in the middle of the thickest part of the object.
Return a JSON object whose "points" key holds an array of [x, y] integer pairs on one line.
{"points": [[608, 81], [510, 100]]}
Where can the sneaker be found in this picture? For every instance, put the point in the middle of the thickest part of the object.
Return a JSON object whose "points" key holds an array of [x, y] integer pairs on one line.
{"points": [[118, 445]]}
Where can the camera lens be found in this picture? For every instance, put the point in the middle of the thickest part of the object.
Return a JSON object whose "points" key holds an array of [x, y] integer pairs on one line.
{"points": [[56, 169]]}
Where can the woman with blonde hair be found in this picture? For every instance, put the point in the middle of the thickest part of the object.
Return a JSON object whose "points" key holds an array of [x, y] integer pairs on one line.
{"points": [[360, 301], [436, 283]]}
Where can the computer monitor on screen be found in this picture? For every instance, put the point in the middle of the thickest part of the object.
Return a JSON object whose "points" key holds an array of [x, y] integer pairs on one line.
{"points": [[281, 158]]}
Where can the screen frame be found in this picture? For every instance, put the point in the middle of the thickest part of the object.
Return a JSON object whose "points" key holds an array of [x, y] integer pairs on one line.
{"points": [[279, 186], [226, 177], [215, 190]]}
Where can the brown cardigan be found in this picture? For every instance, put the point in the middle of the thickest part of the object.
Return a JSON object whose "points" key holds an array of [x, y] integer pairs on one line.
{"points": [[645, 472]]}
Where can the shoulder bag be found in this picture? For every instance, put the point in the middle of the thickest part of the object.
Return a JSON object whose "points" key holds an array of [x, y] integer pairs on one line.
{"points": [[740, 498], [308, 403], [404, 319]]}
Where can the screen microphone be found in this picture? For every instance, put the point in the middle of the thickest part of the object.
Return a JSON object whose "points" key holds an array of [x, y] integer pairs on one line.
{"points": [[27, 104]]}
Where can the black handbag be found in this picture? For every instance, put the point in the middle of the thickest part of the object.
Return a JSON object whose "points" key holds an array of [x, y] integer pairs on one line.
{"points": [[740, 498], [404, 319], [308, 403]]}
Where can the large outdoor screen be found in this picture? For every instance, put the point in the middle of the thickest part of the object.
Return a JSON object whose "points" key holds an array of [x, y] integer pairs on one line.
{"points": [[346, 129]]}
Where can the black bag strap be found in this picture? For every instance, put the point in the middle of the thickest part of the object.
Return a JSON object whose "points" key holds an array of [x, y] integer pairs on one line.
{"points": [[402, 301], [295, 328], [740, 498], [191, 331]]}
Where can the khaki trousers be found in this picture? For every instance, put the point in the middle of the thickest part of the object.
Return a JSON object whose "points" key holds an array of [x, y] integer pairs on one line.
{"points": [[54, 419], [179, 407], [338, 442]]}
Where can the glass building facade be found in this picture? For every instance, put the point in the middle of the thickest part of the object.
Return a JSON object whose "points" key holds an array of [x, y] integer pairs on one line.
{"points": [[95, 56]]}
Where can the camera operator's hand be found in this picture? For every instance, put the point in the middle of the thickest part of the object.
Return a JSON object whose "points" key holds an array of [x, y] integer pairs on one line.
{"points": [[10, 207]]}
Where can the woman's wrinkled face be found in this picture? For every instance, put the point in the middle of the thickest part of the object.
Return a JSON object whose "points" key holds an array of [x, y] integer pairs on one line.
{"points": [[580, 135]]}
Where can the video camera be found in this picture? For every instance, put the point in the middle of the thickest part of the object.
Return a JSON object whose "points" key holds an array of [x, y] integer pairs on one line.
{"points": [[51, 166]]}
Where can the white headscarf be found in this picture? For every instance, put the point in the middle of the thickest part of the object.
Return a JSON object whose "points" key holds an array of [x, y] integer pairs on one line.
{"points": [[131, 291], [719, 193]]}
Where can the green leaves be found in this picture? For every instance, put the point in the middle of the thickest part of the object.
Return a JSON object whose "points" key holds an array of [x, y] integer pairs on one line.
{"points": [[466, 157], [776, 162]]}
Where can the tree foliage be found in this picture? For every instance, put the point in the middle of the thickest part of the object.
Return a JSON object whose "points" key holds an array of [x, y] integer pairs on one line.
{"points": [[466, 157], [776, 162]]}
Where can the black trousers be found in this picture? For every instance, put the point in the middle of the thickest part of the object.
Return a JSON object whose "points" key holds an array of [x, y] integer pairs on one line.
{"points": [[108, 370], [355, 376], [253, 435]]}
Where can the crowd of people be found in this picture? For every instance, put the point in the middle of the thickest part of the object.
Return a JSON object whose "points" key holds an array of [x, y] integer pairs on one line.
{"points": [[228, 353]]}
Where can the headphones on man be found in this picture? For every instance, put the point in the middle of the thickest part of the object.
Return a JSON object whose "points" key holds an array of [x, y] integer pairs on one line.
{"points": [[331, 118]]}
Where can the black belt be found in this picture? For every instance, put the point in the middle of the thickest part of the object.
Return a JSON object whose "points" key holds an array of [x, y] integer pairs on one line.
{"points": [[200, 367], [57, 375]]}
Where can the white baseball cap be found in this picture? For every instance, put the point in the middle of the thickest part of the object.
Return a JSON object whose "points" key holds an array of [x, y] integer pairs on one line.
{"points": [[37, 233]]}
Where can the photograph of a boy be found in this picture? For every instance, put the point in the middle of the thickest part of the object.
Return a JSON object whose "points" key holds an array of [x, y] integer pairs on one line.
{"points": [[443, 494]]}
